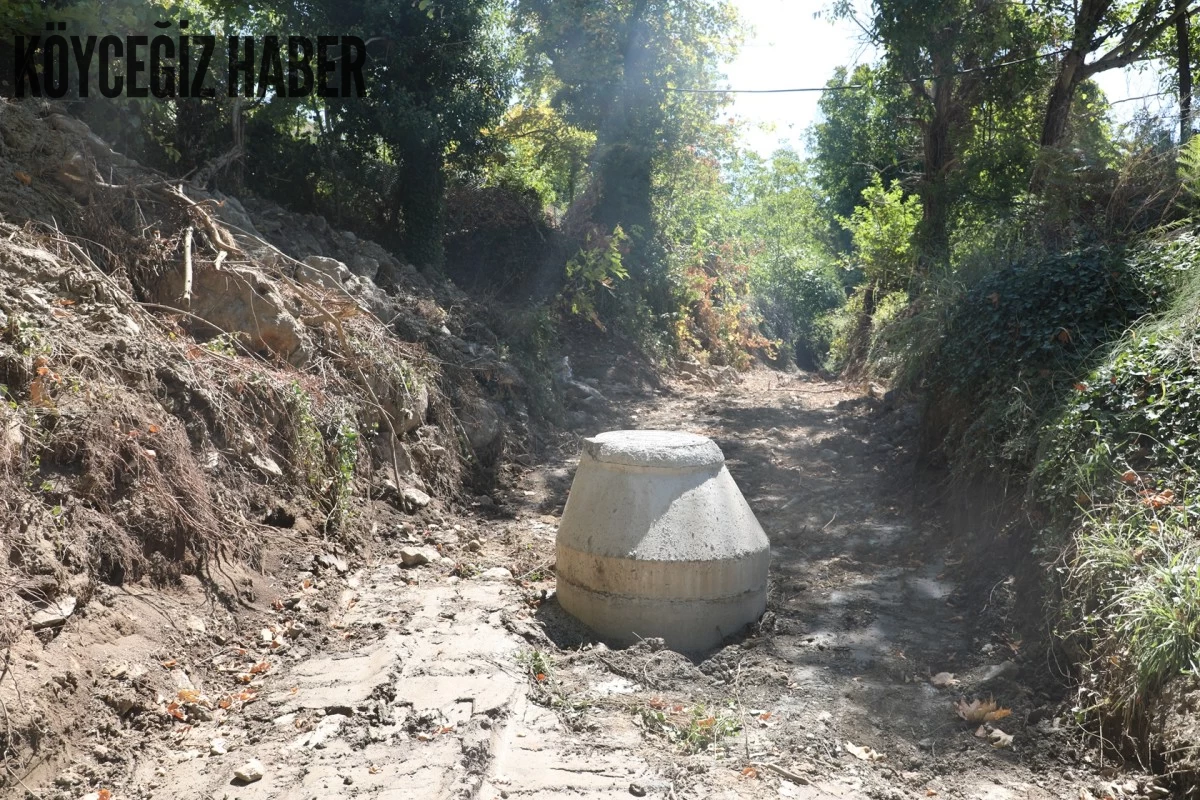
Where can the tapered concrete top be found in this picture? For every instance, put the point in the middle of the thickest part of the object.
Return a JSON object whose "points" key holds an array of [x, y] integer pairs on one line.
{"points": [[663, 449]]}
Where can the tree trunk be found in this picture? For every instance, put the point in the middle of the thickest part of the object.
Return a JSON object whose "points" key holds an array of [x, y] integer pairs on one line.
{"points": [[1070, 74], [1184, 56], [938, 160], [1058, 108]]}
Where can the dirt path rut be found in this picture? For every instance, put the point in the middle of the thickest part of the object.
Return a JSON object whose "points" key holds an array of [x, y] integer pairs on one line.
{"points": [[471, 683]]}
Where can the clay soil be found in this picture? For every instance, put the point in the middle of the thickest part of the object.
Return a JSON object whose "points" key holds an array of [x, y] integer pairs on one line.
{"points": [[454, 678]]}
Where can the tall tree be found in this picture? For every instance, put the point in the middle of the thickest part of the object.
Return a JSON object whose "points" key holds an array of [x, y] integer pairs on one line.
{"points": [[615, 63], [1183, 59], [947, 52], [1124, 32]]}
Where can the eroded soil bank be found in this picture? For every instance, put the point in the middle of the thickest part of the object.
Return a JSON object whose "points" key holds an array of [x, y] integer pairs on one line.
{"points": [[442, 667]]}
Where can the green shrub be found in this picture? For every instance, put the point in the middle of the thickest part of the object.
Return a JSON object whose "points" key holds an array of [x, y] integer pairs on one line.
{"points": [[1017, 342]]}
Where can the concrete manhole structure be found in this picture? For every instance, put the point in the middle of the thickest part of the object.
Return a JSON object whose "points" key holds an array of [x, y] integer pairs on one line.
{"points": [[657, 541]]}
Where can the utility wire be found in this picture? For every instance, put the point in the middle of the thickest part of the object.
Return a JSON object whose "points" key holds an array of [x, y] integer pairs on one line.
{"points": [[853, 86]]}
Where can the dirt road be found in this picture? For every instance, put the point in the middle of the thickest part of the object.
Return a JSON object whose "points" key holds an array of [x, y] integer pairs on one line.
{"points": [[455, 678]]}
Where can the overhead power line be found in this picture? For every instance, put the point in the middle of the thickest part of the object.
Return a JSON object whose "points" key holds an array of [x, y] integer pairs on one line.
{"points": [[853, 86]]}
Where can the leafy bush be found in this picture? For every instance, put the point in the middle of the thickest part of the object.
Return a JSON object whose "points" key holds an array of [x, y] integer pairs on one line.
{"points": [[1119, 467], [1017, 341], [883, 229]]}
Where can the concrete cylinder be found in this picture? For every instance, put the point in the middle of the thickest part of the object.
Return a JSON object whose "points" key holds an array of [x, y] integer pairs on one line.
{"points": [[657, 541]]}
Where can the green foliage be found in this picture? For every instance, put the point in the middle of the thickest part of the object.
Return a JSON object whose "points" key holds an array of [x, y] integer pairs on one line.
{"points": [[792, 274], [596, 268], [1017, 340], [307, 444], [544, 153], [341, 482], [695, 729], [861, 135], [882, 229]]}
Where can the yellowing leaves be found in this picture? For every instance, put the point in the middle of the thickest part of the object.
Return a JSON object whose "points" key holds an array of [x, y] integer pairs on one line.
{"points": [[978, 711]]}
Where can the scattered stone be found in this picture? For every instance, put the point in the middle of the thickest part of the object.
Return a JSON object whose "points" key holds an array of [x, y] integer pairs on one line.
{"points": [[637, 790], [496, 574], [474, 546], [329, 561], [249, 772], [54, 615], [196, 625], [218, 747], [414, 556], [414, 499], [995, 672], [266, 465], [67, 780]]}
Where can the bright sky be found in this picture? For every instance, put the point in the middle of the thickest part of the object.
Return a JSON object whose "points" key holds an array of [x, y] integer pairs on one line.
{"points": [[787, 48]]}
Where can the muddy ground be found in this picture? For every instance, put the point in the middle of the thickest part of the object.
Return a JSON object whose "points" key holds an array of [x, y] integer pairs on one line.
{"points": [[461, 677]]}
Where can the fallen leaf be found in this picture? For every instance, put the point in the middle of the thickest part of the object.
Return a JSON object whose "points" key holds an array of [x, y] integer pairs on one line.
{"points": [[541, 676], [374, 770], [189, 696], [766, 715], [749, 772], [104, 794], [260, 668], [1157, 500], [168, 664], [1129, 476], [153, 429], [24, 177], [863, 753], [930, 793], [944, 680], [980, 710]]}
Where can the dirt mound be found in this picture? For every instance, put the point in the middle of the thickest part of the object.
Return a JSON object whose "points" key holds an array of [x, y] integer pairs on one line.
{"points": [[180, 394]]}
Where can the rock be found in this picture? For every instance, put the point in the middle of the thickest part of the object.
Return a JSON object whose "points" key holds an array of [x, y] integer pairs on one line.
{"points": [[249, 772], [995, 672], [414, 499], [328, 561], [196, 625], [238, 300], [54, 615], [324, 271], [481, 420], [218, 747], [364, 266], [637, 790], [829, 454], [266, 465], [415, 556], [496, 574]]}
